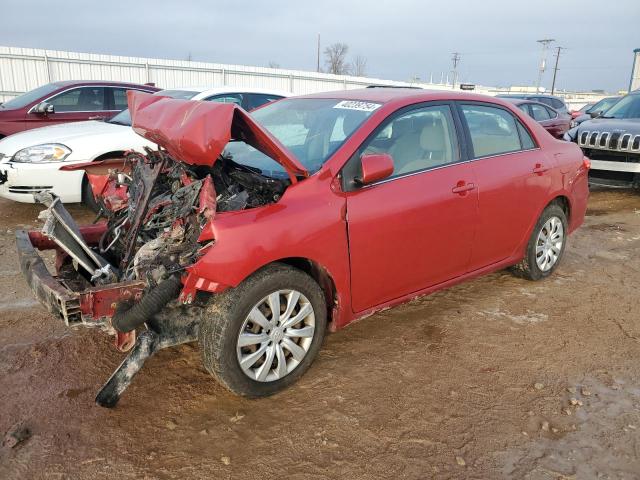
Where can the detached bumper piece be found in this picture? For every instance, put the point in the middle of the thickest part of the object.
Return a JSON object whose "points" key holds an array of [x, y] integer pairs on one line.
{"points": [[96, 305]]}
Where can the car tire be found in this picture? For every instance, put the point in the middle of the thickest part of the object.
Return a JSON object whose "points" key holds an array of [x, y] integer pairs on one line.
{"points": [[552, 224], [87, 195], [230, 318]]}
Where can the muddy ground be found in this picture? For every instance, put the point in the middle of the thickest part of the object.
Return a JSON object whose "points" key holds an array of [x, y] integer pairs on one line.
{"points": [[496, 378]]}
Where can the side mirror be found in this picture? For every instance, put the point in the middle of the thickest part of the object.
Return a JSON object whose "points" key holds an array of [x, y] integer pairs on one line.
{"points": [[44, 108], [595, 114], [375, 167]]}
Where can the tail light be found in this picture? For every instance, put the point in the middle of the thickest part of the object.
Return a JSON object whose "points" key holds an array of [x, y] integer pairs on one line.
{"points": [[586, 162]]}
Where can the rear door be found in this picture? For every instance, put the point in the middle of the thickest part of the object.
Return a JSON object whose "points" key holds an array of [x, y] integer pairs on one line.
{"points": [[513, 178], [73, 105], [414, 229]]}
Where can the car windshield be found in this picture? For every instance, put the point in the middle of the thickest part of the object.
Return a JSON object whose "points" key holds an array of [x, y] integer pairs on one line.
{"points": [[627, 107], [311, 128], [124, 117], [29, 97], [603, 105]]}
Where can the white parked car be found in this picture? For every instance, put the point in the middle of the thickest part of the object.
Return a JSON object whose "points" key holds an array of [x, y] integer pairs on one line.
{"points": [[30, 161]]}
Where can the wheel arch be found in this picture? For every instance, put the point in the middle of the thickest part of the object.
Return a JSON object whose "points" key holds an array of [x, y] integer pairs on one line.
{"points": [[108, 155], [563, 202], [320, 274]]}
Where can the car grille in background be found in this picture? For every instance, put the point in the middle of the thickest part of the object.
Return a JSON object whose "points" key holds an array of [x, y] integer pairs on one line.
{"points": [[19, 189], [612, 156], [624, 142]]}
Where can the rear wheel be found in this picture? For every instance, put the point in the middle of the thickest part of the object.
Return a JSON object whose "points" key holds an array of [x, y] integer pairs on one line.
{"points": [[261, 336], [546, 245]]}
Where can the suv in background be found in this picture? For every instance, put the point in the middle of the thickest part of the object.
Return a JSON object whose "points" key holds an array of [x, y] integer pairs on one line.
{"points": [[68, 101], [554, 102], [612, 142]]}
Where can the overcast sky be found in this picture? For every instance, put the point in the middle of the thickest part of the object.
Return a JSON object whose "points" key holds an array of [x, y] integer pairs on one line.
{"points": [[400, 39]]}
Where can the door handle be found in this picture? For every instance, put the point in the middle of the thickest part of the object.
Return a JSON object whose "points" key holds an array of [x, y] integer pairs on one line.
{"points": [[539, 169], [462, 187]]}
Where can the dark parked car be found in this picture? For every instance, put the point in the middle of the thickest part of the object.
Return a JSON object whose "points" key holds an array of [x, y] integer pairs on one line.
{"points": [[552, 121], [595, 110], [69, 101], [552, 101], [255, 234]]}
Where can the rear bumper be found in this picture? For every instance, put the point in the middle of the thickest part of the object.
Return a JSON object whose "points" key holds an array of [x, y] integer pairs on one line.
{"points": [[92, 307]]}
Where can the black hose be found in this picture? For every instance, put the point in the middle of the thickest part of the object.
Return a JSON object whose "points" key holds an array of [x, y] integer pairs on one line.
{"points": [[154, 301]]}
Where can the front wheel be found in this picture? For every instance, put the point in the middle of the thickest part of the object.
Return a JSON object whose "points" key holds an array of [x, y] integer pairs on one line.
{"points": [[546, 245], [261, 336]]}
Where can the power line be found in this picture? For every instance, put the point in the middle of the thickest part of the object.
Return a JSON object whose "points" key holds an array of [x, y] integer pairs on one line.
{"points": [[555, 69], [455, 59], [543, 60]]}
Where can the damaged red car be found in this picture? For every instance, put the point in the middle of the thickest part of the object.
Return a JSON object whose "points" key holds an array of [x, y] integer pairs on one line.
{"points": [[255, 234]]}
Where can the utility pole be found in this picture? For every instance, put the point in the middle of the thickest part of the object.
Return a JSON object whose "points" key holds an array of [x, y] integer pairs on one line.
{"points": [[555, 69], [455, 59], [318, 56], [543, 60]]}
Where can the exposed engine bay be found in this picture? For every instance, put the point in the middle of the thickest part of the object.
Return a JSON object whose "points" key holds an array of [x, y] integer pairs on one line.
{"points": [[155, 233]]}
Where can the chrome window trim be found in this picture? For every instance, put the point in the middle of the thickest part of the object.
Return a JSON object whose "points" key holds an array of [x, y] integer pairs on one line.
{"points": [[85, 86], [446, 165]]}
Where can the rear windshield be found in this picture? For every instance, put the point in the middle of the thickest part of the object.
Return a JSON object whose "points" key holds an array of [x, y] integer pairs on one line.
{"points": [[30, 97]]}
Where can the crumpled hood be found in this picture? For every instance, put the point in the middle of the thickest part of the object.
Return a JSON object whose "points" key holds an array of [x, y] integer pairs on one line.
{"points": [[196, 132]]}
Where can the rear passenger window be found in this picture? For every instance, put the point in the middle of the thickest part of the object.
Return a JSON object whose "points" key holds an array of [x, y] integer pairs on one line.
{"points": [[525, 139], [493, 130], [119, 98], [539, 112]]}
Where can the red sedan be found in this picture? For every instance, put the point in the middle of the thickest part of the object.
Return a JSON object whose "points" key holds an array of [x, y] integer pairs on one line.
{"points": [[553, 121], [68, 101], [254, 234]]}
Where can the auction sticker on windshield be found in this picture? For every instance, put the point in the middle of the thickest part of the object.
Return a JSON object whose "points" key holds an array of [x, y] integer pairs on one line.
{"points": [[357, 105]]}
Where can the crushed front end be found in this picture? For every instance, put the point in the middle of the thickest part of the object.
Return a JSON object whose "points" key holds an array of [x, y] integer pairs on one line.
{"points": [[129, 270]]}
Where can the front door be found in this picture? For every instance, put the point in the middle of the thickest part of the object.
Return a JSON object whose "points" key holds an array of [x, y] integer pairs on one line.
{"points": [[414, 229], [74, 105]]}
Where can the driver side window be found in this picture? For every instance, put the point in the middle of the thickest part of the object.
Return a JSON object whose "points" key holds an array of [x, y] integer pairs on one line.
{"points": [[417, 140], [85, 99]]}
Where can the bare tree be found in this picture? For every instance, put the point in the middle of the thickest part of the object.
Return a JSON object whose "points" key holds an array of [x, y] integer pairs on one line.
{"points": [[336, 59], [273, 64], [359, 66]]}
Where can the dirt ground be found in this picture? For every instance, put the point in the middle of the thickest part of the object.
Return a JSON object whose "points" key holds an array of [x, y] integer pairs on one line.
{"points": [[496, 378]]}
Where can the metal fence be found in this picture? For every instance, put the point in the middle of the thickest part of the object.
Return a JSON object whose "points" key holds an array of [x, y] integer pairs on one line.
{"points": [[22, 69]]}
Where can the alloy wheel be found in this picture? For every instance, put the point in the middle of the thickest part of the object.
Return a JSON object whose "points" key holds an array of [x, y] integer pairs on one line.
{"points": [[549, 243], [276, 335]]}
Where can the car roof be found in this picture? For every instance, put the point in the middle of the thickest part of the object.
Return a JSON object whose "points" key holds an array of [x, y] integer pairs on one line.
{"points": [[68, 83], [207, 91], [523, 101], [386, 95]]}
